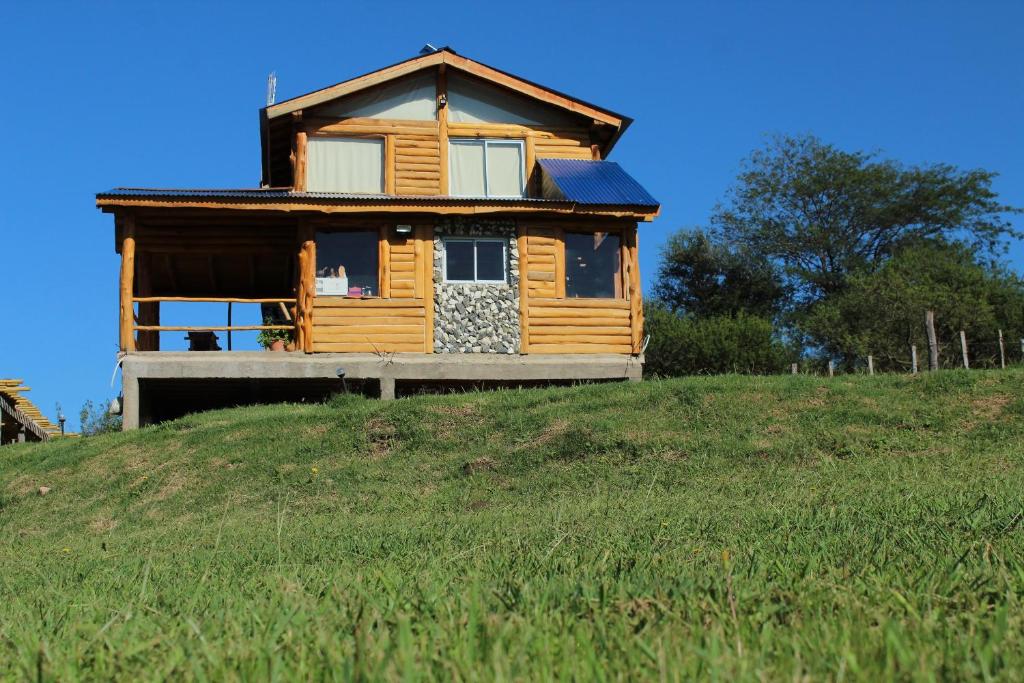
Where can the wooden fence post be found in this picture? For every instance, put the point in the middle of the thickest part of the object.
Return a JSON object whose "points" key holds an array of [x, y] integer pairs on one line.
{"points": [[871, 365], [913, 359], [831, 368], [1002, 351], [933, 342], [794, 368], [963, 348]]}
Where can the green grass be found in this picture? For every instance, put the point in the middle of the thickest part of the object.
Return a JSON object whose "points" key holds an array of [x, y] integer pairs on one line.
{"points": [[725, 528]]}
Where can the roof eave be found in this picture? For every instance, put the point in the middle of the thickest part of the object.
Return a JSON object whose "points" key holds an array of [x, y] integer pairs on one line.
{"points": [[446, 205]]}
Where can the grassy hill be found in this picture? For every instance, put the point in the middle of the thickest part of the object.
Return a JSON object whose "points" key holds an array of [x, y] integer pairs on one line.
{"points": [[735, 527]]}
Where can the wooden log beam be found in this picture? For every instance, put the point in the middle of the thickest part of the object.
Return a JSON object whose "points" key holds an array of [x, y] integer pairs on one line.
{"points": [[127, 338], [209, 328], [442, 127], [211, 299]]}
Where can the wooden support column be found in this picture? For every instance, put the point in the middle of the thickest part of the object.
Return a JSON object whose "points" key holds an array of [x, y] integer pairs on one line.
{"points": [[636, 304], [559, 235], [298, 155], [425, 281], [442, 126], [127, 334], [384, 261], [532, 185], [390, 164], [305, 290], [524, 291]]}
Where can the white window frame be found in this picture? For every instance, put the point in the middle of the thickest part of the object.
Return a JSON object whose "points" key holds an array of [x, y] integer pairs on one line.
{"points": [[475, 241], [486, 142]]}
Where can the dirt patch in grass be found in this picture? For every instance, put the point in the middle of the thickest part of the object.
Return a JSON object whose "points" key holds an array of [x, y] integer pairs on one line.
{"points": [[381, 437], [172, 485], [985, 409], [102, 524], [451, 420], [483, 464], [459, 411], [553, 431]]}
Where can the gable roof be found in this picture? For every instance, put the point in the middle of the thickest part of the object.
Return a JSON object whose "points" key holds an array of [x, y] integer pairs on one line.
{"points": [[448, 57]]}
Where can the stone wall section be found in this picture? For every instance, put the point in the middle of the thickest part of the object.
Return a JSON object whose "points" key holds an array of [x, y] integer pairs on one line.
{"points": [[476, 318]]}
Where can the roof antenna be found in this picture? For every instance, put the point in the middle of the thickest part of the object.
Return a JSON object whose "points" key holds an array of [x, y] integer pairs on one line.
{"points": [[271, 88], [427, 49]]}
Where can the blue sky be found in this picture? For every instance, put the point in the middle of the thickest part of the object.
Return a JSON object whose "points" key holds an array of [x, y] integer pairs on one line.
{"points": [[104, 94]]}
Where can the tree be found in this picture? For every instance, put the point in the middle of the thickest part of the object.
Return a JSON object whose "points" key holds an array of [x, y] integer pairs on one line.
{"points": [[882, 313], [685, 345], [703, 278], [823, 213], [97, 419]]}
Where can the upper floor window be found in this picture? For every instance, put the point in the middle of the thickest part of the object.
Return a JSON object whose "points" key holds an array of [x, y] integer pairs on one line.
{"points": [[486, 168], [345, 165], [593, 265]]}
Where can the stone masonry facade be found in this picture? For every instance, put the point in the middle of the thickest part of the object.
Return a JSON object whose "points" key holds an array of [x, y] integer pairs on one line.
{"points": [[476, 318]]}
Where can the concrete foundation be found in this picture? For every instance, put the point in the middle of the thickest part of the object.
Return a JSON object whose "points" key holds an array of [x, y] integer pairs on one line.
{"points": [[144, 373]]}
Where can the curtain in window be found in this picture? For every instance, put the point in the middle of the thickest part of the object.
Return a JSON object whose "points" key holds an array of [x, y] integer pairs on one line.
{"points": [[504, 169], [467, 168], [345, 165]]}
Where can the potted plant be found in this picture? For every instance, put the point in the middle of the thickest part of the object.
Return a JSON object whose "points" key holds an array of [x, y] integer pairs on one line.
{"points": [[274, 340]]}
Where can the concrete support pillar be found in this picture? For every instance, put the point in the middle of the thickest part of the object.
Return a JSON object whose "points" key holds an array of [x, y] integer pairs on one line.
{"points": [[387, 388], [129, 399], [21, 435]]}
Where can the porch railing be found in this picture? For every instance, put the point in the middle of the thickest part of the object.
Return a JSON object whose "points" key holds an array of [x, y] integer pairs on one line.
{"points": [[229, 328]]}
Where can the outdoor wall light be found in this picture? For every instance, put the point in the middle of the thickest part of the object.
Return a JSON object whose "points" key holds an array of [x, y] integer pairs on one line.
{"points": [[403, 229]]}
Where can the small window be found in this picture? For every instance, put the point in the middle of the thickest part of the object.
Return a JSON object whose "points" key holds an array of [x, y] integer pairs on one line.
{"points": [[592, 265], [347, 263], [486, 168], [353, 165], [474, 260]]}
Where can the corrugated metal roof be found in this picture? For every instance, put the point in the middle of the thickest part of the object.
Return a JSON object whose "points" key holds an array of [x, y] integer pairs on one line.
{"points": [[593, 183], [283, 194]]}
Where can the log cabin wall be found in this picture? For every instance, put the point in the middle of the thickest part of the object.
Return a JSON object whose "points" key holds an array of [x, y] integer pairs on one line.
{"points": [[553, 323], [400, 319]]}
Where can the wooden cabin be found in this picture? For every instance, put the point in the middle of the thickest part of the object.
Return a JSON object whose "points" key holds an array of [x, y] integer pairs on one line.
{"points": [[437, 219]]}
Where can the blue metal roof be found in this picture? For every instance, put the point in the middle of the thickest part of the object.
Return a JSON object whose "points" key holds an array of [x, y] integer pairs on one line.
{"points": [[592, 182]]}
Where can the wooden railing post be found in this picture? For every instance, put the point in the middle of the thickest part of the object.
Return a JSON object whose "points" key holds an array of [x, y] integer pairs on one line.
{"points": [[127, 317], [306, 289]]}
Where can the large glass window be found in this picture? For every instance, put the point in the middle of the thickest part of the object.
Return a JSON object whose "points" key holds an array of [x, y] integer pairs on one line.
{"points": [[592, 265], [486, 168], [481, 260], [347, 263], [345, 165]]}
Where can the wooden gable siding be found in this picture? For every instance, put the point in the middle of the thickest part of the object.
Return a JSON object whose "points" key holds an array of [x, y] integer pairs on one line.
{"points": [[552, 323], [415, 163], [401, 319]]}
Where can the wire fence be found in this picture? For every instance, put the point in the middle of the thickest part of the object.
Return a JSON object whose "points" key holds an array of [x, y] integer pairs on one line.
{"points": [[996, 350]]}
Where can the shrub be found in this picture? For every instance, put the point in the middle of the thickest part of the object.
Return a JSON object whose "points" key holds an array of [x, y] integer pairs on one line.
{"points": [[687, 346]]}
